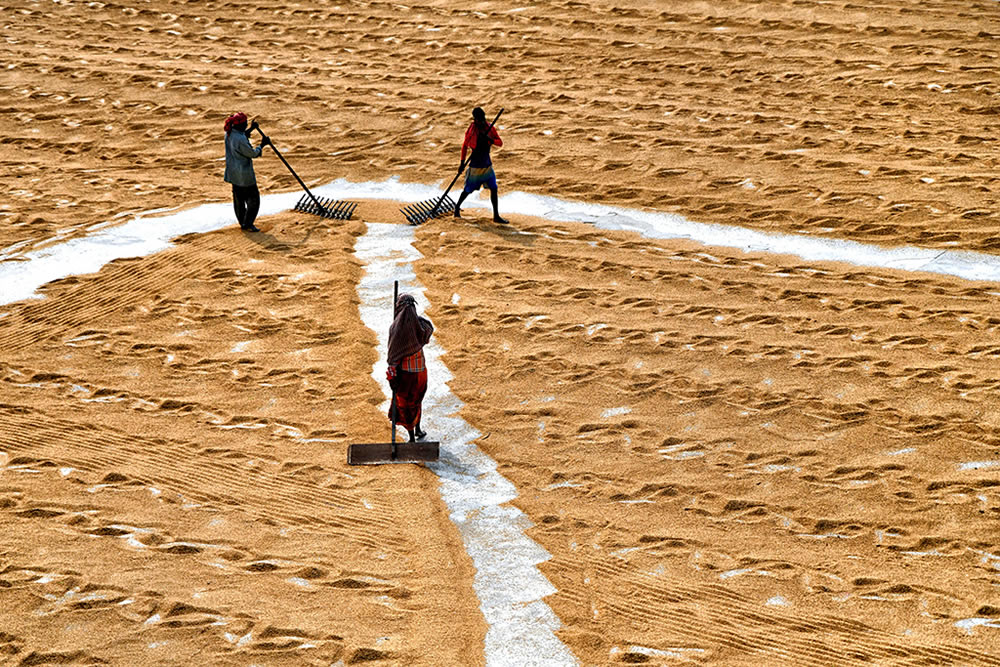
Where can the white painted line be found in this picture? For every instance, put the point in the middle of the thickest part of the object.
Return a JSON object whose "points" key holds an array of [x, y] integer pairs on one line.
{"points": [[521, 626]]}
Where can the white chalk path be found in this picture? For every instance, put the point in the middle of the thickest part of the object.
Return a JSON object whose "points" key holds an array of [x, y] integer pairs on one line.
{"points": [[23, 270], [520, 625]]}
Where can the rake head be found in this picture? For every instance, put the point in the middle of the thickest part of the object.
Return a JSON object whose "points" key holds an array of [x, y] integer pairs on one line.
{"points": [[425, 210], [328, 208]]}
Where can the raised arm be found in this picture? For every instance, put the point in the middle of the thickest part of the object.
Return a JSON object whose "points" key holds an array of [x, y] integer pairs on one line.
{"points": [[244, 148]]}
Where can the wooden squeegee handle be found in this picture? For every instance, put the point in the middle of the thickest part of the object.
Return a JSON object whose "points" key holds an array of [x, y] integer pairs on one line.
{"points": [[462, 168], [282, 158], [392, 406]]}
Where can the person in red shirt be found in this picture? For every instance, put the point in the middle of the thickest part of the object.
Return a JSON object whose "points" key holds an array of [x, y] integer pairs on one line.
{"points": [[479, 138]]}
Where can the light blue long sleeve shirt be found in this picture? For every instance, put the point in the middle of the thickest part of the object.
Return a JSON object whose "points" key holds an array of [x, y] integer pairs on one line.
{"points": [[239, 156]]}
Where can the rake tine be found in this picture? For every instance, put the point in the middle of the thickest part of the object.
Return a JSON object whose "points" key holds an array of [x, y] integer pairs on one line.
{"points": [[413, 214], [430, 210], [331, 208], [447, 204], [426, 211], [422, 209], [441, 209], [406, 214]]}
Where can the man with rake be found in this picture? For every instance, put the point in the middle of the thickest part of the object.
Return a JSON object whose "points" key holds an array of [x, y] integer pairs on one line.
{"points": [[479, 138], [239, 169]]}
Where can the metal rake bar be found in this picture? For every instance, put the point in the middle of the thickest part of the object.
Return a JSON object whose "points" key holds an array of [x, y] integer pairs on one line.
{"points": [[327, 208], [425, 210]]}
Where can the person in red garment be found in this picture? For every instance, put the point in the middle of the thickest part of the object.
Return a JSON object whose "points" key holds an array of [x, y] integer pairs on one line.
{"points": [[479, 138], [407, 372]]}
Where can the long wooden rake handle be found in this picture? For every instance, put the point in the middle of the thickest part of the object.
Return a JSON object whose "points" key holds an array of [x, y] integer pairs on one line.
{"points": [[395, 296], [462, 168], [282, 158]]}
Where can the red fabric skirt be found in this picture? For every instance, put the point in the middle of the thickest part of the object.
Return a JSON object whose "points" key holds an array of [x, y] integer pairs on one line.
{"points": [[410, 389]]}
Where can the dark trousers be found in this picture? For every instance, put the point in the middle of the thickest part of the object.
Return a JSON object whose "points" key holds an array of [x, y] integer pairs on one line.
{"points": [[246, 201]]}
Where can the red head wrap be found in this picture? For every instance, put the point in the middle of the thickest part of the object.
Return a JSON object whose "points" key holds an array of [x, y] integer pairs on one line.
{"points": [[237, 118]]}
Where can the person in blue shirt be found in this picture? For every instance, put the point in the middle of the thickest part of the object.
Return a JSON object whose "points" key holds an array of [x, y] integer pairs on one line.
{"points": [[479, 138], [239, 169]]}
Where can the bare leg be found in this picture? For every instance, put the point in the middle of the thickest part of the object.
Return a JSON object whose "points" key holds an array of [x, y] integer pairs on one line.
{"points": [[458, 206], [496, 210]]}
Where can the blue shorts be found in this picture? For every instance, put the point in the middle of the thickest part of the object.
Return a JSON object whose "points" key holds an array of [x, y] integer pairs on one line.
{"points": [[476, 178]]}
